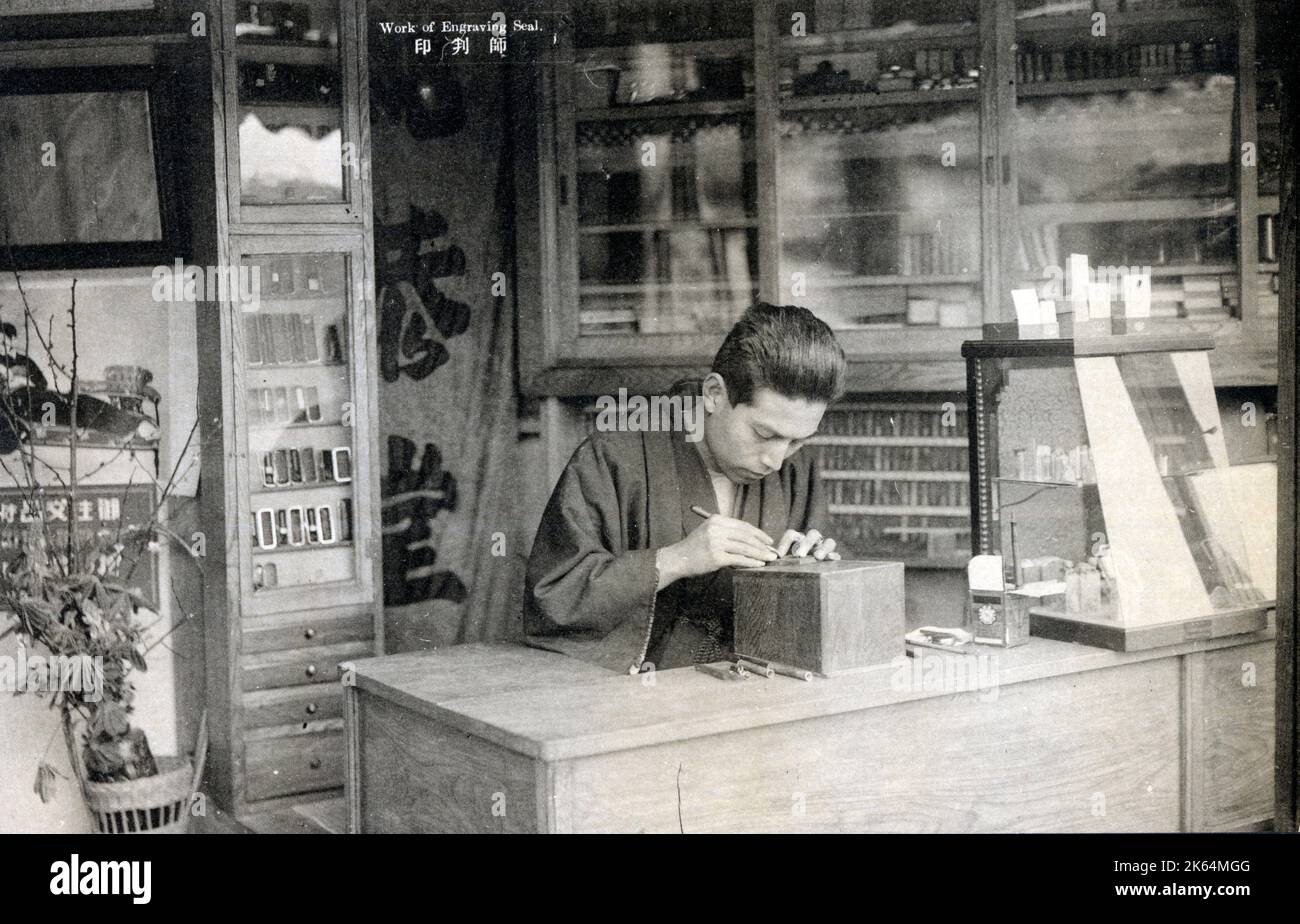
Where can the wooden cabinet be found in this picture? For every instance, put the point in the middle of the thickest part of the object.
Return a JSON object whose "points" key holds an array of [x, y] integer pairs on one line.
{"points": [[877, 172], [1166, 99], [288, 401], [1229, 733], [292, 122], [898, 167]]}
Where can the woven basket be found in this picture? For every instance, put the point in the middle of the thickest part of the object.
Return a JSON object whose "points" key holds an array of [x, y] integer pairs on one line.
{"points": [[158, 804]]}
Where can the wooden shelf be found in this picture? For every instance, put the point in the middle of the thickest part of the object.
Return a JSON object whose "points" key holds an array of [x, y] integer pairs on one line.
{"points": [[1108, 84], [873, 213], [1157, 24], [1167, 269], [934, 406], [305, 547], [596, 55], [955, 34], [637, 288], [263, 488], [692, 224], [932, 442], [323, 115], [665, 110], [849, 475], [890, 98], [264, 367], [285, 53], [934, 279], [1073, 213], [281, 428]]}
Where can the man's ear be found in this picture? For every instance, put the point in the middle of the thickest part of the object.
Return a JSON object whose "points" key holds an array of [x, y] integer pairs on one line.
{"points": [[714, 389]]}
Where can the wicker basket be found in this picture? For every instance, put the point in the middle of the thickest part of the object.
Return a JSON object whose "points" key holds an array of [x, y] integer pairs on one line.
{"points": [[158, 804]]}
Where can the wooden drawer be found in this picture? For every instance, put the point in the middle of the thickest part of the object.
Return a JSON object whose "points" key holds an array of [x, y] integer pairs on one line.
{"points": [[292, 706], [299, 763], [305, 630], [298, 667]]}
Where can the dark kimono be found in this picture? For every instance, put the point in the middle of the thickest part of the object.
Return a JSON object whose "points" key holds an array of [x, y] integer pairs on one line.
{"points": [[590, 585]]}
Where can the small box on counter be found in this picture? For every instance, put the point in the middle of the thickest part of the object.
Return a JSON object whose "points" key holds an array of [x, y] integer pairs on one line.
{"points": [[994, 614], [825, 617], [1000, 618]]}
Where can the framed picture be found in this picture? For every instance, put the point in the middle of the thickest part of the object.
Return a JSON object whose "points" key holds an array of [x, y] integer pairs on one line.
{"points": [[29, 19], [89, 176]]}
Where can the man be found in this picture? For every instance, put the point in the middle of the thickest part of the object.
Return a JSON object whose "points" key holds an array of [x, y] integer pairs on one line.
{"points": [[623, 572]]}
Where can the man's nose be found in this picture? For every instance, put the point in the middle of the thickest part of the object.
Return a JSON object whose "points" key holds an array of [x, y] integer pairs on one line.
{"points": [[773, 458]]}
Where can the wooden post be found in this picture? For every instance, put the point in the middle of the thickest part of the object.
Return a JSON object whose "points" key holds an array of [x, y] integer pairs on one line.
{"points": [[1286, 815], [1247, 177], [766, 116]]}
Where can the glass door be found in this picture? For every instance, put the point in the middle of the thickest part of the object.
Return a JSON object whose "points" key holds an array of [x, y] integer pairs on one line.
{"points": [[878, 164], [666, 219], [1125, 140], [303, 357], [294, 153]]}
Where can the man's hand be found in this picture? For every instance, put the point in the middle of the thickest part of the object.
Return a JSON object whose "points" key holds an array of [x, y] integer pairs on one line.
{"points": [[799, 544], [718, 542]]}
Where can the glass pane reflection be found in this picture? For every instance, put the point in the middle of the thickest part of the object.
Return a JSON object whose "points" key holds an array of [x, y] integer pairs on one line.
{"points": [[290, 103], [884, 228], [668, 244]]}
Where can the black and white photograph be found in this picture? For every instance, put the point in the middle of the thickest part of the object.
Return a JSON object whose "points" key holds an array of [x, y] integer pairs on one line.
{"points": [[650, 416]]}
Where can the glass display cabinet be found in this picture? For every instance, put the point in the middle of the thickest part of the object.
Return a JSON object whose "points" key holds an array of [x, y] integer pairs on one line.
{"points": [[293, 143], [300, 346], [878, 165], [288, 400], [1101, 473], [898, 166], [1154, 99], [666, 219]]}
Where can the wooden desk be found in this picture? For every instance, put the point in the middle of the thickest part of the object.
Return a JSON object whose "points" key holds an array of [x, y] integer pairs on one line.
{"points": [[1046, 737]]}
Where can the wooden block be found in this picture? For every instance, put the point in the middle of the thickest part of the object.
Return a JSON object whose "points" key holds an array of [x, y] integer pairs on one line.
{"points": [[821, 616]]}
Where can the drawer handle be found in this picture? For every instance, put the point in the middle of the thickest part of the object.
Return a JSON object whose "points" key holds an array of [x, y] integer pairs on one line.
{"points": [[315, 763], [311, 670], [311, 708], [309, 634]]}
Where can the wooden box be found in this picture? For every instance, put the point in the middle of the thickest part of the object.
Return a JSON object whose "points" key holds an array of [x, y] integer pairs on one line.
{"points": [[823, 617]]}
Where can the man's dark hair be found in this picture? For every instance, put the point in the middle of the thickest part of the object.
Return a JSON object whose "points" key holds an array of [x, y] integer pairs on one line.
{"points": [[785, 348]]}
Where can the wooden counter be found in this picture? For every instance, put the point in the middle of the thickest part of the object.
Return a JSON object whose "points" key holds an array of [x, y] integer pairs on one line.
{"points": [[1046, 737]]}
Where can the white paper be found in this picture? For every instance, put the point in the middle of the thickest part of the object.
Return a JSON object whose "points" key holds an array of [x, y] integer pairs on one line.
{"points": [[1137, 295], [985, 573], [1026, 303]]}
